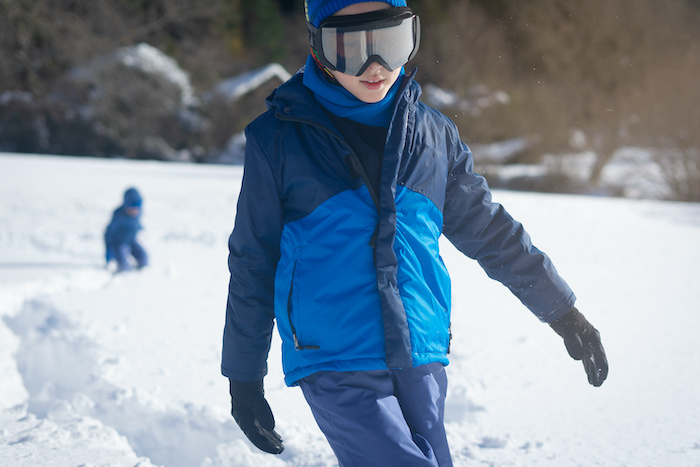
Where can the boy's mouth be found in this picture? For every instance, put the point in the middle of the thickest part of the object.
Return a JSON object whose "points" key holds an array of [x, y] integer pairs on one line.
{"points": [[373, 83]]}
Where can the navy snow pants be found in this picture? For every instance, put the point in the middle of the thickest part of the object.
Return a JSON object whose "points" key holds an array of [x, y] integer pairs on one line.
{"points": [[382, 417], [121, 254]]}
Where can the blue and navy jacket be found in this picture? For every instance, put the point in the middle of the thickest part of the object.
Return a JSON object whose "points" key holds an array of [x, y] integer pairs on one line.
{"points": [[123, 227], [354, 277]]}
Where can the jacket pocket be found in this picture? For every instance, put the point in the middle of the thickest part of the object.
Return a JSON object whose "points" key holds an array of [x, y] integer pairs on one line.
{"points": [[290, 312]]}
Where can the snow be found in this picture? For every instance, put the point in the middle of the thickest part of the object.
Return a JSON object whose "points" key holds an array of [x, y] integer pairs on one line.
{"points": [[643, 175], [632, 172], [477, 98], [233, 88], [147, 59], [99, 369], [500, 152]]}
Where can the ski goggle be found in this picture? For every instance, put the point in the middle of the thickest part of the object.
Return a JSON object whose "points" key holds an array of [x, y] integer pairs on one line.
{"points": [[350, 44]]}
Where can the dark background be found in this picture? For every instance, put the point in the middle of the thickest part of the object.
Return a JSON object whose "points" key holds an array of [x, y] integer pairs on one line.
{"points": [[617, 72]]}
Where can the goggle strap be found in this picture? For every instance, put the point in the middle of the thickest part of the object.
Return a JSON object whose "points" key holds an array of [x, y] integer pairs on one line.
{"points": [[326, 72]]}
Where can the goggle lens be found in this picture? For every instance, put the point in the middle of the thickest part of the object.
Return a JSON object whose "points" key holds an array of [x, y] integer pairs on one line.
{"points": [[350, 49]]}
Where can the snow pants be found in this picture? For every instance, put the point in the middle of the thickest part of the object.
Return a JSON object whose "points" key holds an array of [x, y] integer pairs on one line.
{"points": [[382, 417], [121, 254]]}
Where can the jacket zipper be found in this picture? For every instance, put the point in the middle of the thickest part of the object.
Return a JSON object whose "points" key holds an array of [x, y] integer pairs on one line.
{"points": [[283, 116], [356, 165]]}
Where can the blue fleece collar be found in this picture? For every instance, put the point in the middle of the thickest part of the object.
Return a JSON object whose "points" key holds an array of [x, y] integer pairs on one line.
{"points": [[339, 101]]}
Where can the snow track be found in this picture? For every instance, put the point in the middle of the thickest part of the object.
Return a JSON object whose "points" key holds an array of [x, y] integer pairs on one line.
{"points": [[69, 400], [48, 367]]}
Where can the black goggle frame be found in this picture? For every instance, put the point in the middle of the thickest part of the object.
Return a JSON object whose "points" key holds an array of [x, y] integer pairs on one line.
{"points": [[380, 19]]}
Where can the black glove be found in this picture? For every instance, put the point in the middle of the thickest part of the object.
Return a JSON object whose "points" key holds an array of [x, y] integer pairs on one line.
{"points": [[583, 343], [253, 414]]}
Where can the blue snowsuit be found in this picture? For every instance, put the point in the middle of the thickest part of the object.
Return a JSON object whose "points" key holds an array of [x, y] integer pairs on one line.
{"points": [[120, 235], [353, 277]]}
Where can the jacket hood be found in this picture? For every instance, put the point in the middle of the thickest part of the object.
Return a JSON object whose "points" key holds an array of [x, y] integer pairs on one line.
{"points": [[132, 198]]}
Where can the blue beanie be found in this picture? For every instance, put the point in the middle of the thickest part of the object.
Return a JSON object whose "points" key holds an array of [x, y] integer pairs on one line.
{"points": [[132, 198], [318, 10]]}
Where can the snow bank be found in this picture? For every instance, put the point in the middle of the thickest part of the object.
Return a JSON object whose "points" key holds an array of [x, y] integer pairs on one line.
{"points": [[233, 88], [145, 58]]}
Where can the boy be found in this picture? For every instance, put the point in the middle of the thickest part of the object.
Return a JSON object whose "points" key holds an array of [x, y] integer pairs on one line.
{"points": [[349, 182], [120, 235]]}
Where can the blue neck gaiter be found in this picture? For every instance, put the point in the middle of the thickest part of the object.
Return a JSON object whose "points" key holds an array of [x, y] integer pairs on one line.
{"points": [[339, 101]]}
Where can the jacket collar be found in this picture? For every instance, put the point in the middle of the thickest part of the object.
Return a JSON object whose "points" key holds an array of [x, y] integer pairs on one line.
{"points": [[293, 100]]}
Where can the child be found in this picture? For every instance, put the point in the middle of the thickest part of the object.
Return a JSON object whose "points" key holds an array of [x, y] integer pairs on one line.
{"points": [[349, 182], [120, 235]]}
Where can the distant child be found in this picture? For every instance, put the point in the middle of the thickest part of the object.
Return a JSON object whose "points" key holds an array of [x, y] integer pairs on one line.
{"points": [[120, 235], [349, 183]]}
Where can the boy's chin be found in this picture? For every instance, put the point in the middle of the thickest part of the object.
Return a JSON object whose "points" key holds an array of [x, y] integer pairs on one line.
{"points": [[372, 100], [370, 96]]}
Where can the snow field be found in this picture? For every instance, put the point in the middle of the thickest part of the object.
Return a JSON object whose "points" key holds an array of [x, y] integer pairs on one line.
{"points": [[98, 369]]}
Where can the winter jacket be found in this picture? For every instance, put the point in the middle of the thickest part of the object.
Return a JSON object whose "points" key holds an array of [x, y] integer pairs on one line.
{"points": [[123, 227], [354, 278]]}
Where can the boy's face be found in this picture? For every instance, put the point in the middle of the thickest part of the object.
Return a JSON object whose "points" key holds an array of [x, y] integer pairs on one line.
{"points": [[133, 211], [373, 85]]}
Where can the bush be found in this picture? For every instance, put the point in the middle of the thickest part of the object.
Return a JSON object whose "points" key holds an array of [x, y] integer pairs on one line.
{"points": [[620, 72]]}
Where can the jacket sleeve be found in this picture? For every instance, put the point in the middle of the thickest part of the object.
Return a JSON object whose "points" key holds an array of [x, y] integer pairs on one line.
{"points": [[253, 257], [484, 231]]}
